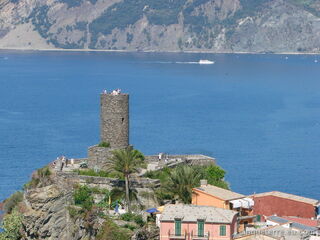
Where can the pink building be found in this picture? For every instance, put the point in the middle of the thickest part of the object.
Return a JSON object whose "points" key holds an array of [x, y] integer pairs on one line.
{"points": [[190, 222]]}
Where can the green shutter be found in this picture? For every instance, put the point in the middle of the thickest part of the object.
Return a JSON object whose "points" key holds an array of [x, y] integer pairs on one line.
{"points": [[177, 227], [259, 218], [223, 230], [200, 228]]}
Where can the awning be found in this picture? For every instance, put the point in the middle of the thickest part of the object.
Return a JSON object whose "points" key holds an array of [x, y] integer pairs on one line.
{"points": [[152, 210], [243, 203]]}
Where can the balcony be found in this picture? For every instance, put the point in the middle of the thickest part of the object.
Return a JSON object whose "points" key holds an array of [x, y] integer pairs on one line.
{"points": [[205, 236], [173, 236]]}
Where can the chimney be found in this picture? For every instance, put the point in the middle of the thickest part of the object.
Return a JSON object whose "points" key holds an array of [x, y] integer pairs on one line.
{"points": [[203, 182]]}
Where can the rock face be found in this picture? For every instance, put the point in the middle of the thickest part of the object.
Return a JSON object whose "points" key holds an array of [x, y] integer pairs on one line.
{"points": [[147, 25], [46, 207], [46, 215]]}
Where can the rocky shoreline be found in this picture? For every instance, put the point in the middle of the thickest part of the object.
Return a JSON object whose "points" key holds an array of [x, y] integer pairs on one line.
{"points": [[128, 51]]}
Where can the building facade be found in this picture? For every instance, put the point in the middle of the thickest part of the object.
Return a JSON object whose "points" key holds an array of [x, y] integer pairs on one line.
{"points": [[284, 204], [209, 195], [190, 222]]}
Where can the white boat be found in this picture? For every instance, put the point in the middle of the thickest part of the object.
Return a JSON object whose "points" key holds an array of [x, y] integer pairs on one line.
{"points": [[206, 62]]}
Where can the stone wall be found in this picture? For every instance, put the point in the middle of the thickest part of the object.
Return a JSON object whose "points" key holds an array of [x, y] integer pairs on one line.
{"points": [[97, 156], [144, 187], [173, 160], [114, 119], [71, 178]]}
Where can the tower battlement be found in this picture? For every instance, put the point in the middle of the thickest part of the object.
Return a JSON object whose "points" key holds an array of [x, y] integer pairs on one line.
{"points": [[114, 119]]}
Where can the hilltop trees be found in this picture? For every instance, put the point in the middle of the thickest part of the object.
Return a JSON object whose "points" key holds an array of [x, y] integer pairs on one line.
{"points": [[181, 181], [177, 183], [126, 162]]}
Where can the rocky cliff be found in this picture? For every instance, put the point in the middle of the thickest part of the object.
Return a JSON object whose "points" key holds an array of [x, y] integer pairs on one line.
{"points": [[50, 209], [166, 25]]}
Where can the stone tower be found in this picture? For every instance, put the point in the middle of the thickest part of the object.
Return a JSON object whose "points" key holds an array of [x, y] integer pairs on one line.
{"points": [[114, 119]]}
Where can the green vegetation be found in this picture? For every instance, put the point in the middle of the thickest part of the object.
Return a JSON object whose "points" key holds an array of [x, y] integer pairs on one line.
{"points": [[40, 20], [308, 5], [40, 178], [129, 217], [12, 202], [74, 212], [249, 8], [104, 144], [125, 162], [164, 12], [128, 12], [93, 173], [83, 197], [178, 182], [181, 181], [76, 3], [111, 231], [12, 223]]}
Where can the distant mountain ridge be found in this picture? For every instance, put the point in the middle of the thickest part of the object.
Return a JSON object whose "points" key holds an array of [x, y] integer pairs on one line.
{"points": [[163, 25]]}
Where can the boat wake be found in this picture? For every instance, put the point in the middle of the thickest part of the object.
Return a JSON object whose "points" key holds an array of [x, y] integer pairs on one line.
{"points": [[200, 62], [187, 62]]}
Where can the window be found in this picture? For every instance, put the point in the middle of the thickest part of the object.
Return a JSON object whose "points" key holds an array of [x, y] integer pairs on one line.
{"points": [[223, 230], [200, 228], [258, 218], [177, 227]]}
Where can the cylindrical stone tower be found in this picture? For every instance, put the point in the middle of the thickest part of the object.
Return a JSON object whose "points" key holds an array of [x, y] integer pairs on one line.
{"points": [[115, 119]]}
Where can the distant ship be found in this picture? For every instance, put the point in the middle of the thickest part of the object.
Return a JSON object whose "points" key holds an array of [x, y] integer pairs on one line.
{"points": [[206, 62]]}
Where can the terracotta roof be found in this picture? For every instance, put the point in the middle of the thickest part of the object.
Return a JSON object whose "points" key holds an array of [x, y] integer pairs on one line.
{"points": [[219, 192], [288, 196], [193, 213]]}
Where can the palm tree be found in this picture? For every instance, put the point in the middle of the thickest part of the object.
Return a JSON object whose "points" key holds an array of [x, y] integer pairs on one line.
{"points": [[181, 181], [126, 162]]}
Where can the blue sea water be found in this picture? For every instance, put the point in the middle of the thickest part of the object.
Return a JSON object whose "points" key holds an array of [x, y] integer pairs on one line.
{"points": [[258, 115]]}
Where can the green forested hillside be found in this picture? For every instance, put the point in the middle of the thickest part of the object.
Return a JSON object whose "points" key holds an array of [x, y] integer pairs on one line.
{"points": [[169, 25]]}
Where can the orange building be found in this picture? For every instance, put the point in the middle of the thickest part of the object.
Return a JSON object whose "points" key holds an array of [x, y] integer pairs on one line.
{"points": [[209, 195]]}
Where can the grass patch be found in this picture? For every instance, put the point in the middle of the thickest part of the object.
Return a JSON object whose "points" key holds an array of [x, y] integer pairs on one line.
{"points": [[104, 144], [92, 173], [12, 202], [111, 231], [40, 178]]}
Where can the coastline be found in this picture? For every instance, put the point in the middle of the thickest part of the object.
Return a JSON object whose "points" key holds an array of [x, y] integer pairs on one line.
{"points": [[149, 51]]}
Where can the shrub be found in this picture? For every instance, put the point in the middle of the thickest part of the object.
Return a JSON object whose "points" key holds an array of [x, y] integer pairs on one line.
{"points": [[129, 226], [82, 197], [104, 144], [111, 231], [44, 172], [127, 217], [12, 223], [139, 221], [12, 202], [41, 178], [73, 212]]}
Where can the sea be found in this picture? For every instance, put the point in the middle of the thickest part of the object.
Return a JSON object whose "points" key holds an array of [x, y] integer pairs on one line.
{"points": [[258, 115]]}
